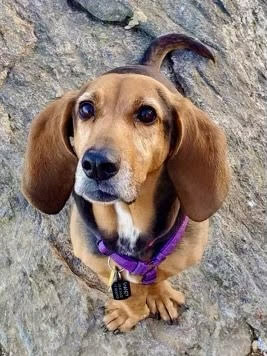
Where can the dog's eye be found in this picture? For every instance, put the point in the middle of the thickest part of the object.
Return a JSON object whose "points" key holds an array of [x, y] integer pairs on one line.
{"points": [[86, 110], [146, 114]]}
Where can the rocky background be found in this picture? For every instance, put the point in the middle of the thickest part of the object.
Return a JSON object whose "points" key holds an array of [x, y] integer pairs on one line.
{"points": [[51, 304]]}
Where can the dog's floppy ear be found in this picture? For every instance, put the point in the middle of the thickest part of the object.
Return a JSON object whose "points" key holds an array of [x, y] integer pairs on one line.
{"points": [[50, 163], [198, 165]]}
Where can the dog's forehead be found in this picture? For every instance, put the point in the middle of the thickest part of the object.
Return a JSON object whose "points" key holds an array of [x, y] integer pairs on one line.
{"points": [[125, 84]]}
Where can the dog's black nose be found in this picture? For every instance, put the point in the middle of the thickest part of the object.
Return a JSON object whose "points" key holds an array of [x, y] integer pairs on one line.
{"points": [[100, 164]]}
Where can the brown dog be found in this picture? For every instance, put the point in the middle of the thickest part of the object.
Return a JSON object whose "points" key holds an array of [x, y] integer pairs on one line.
{"points": [[140, 154]]}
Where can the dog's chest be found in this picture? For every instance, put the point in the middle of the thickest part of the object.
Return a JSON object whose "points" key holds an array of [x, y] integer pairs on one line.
{"points": [[128, 233]]}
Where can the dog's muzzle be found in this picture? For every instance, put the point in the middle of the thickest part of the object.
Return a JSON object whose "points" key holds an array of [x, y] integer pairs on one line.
{"points": [[101, 176]]}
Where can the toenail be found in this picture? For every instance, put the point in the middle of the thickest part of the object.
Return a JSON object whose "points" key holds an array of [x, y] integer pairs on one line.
{"points": [[117, 332], [184, 308]]}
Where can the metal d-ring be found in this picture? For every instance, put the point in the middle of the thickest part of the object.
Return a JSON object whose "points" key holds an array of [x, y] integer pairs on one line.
{"points": [[115, 267]]}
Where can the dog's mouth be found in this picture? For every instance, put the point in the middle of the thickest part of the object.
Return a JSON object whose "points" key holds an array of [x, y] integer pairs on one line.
{"points": [[100, 196]]}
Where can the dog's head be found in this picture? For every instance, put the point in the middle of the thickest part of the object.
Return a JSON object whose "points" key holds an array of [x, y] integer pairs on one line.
{"points": [[125, 125]]}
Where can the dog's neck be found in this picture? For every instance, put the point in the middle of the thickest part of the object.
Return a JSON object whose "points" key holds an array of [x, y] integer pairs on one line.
{"points": [[151, 215]]}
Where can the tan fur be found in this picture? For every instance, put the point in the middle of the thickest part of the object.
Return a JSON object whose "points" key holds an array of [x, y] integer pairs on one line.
{"points": [[197, 165]]}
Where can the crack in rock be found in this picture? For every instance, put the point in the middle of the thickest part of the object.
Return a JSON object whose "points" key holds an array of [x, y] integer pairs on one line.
{"points": [[222, 7], [64, 253]]}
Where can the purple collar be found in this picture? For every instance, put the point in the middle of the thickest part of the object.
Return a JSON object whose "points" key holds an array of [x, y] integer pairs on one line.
{"points": [[148, 269]]}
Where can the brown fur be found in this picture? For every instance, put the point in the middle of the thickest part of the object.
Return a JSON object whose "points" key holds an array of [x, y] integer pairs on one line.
{"points": [[49, 157], [183, 138], [162, 45], [202, 180]]}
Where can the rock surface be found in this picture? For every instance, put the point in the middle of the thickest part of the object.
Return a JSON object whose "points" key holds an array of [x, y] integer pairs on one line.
{"points": [[50, 304]]}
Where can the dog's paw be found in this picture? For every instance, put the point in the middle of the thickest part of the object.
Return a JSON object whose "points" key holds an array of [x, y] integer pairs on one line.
{"points": [[165, 302], [120, 317]]}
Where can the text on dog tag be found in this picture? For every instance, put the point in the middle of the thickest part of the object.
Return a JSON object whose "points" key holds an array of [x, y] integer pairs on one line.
{"points": [[120, 288]]}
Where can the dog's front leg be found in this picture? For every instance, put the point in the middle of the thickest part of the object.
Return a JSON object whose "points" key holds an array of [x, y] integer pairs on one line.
{"points": [[123, 315]]}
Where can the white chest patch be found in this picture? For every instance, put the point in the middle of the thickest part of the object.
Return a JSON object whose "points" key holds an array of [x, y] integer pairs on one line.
{"points": [[126, 229]]}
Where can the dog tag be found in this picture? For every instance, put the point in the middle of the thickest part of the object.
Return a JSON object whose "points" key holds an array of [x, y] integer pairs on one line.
{"points": [[120, 288]]}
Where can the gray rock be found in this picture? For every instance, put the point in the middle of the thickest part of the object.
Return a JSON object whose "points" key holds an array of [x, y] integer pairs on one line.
{"points": [[50, 303], [112, 11]]}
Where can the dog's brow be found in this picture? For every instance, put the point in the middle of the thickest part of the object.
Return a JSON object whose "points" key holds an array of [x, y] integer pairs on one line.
{"points": [[92, 96], [146, 101], [139, 101], [162, 98]]}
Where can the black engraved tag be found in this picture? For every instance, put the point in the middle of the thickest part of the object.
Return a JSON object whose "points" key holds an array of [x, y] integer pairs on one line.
{"points": [[120, 288]]}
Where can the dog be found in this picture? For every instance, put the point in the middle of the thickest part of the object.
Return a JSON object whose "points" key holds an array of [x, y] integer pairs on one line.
{"points": [[147, 169]]}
